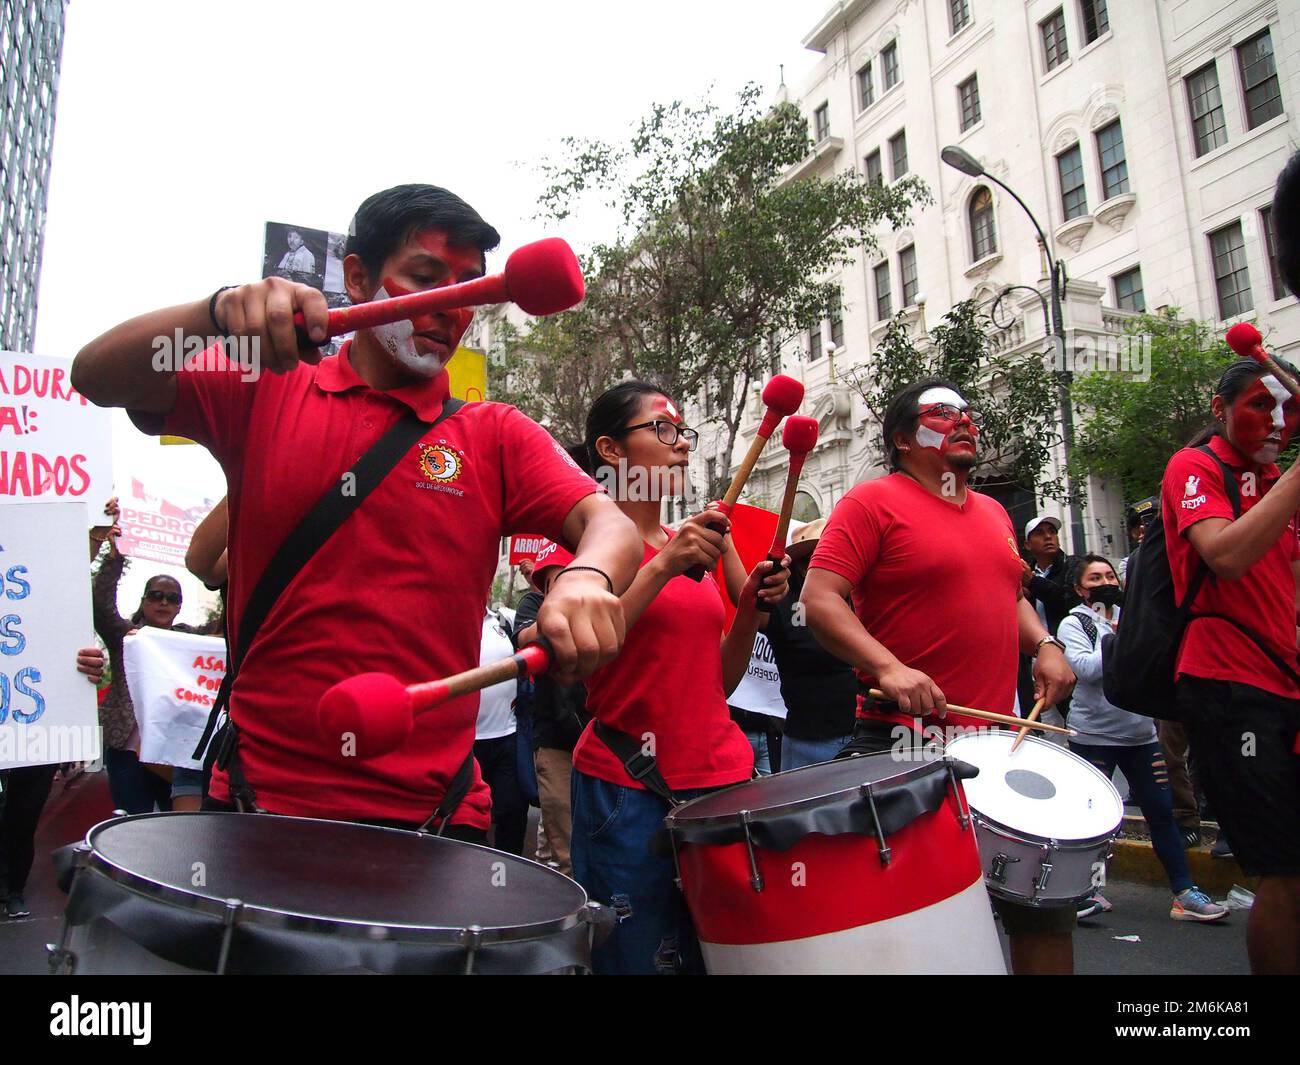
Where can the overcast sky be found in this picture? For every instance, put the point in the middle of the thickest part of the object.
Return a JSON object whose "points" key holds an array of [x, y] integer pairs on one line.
{"points": [[183, 127]]}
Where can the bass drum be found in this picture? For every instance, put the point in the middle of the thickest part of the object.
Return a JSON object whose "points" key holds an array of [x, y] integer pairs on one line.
{"points": [[239, 893], [866, 865]]}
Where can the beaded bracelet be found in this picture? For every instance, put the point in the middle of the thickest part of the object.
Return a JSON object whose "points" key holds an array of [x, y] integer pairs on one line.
{"points": [[591, 569]]}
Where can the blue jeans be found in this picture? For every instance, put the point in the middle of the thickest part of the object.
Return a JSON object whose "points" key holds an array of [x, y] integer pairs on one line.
{"points": [[613, 827], [758, 743], [133, 788], [1144, 768], [796, 753]]}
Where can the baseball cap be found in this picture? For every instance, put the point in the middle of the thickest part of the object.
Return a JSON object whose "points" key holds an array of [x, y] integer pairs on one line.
{"points": [[549, 556], [1042, 519]]}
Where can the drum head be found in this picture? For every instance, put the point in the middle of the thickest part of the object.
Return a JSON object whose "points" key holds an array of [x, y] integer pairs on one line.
{"points": [[1042, 790], [332, 876]]}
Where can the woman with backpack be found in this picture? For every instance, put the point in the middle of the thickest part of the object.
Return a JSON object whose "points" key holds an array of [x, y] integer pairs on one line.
{"points": [[1109, 737], [1229, 517]]}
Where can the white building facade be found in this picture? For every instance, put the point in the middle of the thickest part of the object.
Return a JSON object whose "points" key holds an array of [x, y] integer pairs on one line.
{"points": [[1144, 136]]}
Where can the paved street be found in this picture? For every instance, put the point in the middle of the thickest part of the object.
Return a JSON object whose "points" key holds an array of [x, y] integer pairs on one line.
{"points": [[1164, 946]]}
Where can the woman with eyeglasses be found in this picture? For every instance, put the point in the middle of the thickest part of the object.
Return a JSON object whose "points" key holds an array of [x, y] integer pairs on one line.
{"points": [[665, 696], [133, 787]]}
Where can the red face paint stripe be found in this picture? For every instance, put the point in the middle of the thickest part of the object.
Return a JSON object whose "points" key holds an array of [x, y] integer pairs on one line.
{"points": [[838, 884]]}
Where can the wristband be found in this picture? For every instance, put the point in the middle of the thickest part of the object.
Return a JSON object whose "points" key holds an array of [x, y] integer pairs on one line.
{"points": [[1049, 638], [212, 308], [590, 569]]}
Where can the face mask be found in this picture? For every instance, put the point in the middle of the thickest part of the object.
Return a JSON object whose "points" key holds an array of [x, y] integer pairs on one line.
{"points": [[1106, 595]]}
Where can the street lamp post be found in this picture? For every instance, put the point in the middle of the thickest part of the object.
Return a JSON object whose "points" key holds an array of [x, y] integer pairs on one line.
{"points": [[959, 159]]}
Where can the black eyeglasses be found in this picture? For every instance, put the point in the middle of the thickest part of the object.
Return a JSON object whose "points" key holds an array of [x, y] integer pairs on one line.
{"points": [[948, 413], [156, 596], [668, 432]]}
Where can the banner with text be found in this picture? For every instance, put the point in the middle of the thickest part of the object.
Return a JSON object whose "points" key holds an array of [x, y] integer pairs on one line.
{"points": [[173, 678], [158, 526], [54, 443], [48, 711]]}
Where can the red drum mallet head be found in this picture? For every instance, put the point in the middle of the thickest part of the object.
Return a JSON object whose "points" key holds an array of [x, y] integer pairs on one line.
{"points": [[1246, 341], [544, 277], [375, 708], [799, 435]]}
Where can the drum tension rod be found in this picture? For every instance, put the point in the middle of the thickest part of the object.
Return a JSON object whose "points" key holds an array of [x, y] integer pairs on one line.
{"points": [[233, 906], [472, 937], [885, 854], [963, 816], [755, 877], [672, 841]]}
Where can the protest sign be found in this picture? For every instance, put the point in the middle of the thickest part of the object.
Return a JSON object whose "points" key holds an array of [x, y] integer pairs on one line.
{"points": [[173, 678], [524, 546], [759, 690], [48, 712], [157, 524], [54, 443]]}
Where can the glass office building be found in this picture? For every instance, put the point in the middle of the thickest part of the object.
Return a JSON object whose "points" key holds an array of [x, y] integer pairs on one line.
{"points": [[31, 42]]}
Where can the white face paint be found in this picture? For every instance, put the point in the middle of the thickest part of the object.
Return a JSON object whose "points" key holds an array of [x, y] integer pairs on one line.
{"points": [[925, 436], [398, 339], [1270, 451]]}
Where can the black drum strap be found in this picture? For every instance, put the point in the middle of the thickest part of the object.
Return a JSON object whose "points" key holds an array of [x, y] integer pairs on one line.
{"points": [[640, 766], [456, 791]]}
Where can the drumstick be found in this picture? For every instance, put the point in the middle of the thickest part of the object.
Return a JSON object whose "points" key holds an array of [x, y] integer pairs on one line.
{"points": [[378, 711], [781, 396], [799, 437], [1247, 342], [1024, 730], [988, 715]]}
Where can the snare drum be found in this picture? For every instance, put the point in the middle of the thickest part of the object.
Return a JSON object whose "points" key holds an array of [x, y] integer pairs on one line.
{"points": [[867, 865], [237, 893], [1046, 819]]}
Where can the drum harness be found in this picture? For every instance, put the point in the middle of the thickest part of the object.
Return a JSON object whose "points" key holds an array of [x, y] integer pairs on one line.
{"points": [[319, 524]]}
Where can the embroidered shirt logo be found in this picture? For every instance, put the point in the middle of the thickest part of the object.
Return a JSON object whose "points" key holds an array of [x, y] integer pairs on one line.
{"points": [[1189, 490], [441, 465]]}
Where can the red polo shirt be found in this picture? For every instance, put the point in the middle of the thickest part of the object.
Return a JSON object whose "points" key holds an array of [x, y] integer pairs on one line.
{"points": [[937, 583], [1264, 599], [667, 681], [400, 588]]}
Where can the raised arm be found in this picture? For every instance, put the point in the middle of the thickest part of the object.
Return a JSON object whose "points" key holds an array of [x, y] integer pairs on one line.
{"points": [[206, 555]]}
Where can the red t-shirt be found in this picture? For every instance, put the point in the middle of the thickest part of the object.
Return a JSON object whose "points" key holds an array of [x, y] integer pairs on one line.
{"points": [[400, 588], [937, 583], [1263, 599], [667, 681]]}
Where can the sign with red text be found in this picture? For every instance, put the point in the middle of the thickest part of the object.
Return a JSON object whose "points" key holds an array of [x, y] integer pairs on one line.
{"points": [[525, 546], [48, 711], [173, 678], [54, 443], [157, 525]]}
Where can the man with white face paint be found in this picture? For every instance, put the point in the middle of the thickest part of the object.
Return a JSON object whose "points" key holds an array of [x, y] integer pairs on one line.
{"points": [[1238, 681], [937, 608], [400, 586]]}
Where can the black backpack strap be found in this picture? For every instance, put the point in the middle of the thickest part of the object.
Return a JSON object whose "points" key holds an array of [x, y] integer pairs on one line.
{"points": [[1088, 625], [320, 523], [1230, 486], [641, 767]]}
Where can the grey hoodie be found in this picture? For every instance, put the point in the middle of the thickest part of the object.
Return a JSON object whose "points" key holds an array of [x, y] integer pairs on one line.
{"points": [[1096, 720]]}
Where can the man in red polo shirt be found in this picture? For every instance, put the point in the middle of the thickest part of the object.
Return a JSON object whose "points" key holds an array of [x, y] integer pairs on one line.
{"points": [[1237, 694], [938, 606], [400, 587]]}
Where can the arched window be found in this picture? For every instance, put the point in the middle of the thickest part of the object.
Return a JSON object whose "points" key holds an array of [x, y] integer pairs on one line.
{"points": [[984, 241], [805, 507]]}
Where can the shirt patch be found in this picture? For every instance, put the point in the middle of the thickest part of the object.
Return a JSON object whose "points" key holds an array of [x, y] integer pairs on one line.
{"points": [[441, 464]]}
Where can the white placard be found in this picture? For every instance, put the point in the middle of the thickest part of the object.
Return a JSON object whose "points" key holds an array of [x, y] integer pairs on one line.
{"points": [[759, 690], [48, 711], [173, 678], [54, 443]]}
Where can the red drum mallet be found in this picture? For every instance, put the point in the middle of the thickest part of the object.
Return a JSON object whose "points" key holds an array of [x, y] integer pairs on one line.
{"points": [[799, 438], [378, 710], [540, 278], [781, 396], [1247, 342]]}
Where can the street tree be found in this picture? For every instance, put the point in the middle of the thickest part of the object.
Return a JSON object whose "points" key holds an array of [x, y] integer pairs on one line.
{"points": [[718, 255]]}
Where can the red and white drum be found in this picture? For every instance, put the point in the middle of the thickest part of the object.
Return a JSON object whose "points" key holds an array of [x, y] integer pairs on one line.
{"points": [[866, 865]]}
